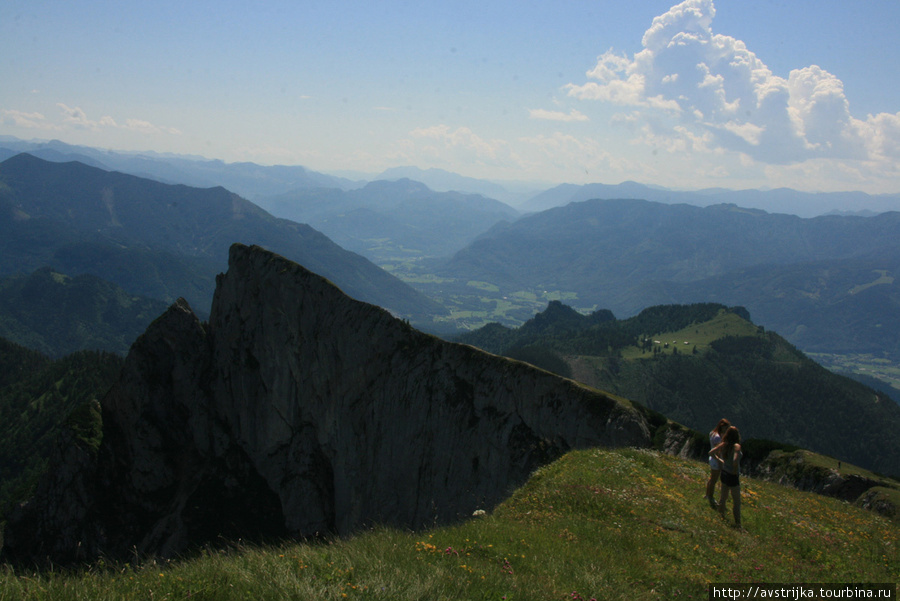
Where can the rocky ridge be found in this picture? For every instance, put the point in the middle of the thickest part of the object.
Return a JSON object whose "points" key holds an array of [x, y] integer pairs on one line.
{"points": [[298, 411], [804, 470]]}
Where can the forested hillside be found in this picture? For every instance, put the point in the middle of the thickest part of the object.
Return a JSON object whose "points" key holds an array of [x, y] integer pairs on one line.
{"points": [[699, 363], [38, 397], [58, 315]]}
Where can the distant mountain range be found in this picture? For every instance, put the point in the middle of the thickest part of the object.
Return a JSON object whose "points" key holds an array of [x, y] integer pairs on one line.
{"points": [[162, 241], [247, 179], [824, 283], [510, 192], [256, 182], [277, 328], [385, 220], [781, 200]]}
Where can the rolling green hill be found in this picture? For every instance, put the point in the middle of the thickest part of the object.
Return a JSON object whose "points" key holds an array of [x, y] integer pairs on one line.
{"points": [[845, 306], [698, 363], [596, 524]]}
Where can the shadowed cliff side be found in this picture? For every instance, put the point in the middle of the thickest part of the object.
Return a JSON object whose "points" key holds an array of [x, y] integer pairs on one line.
{"points": [[299, 411]]}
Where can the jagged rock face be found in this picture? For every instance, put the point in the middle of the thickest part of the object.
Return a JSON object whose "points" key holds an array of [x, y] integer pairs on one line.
{"points": [[821, 480], [299, 411]]}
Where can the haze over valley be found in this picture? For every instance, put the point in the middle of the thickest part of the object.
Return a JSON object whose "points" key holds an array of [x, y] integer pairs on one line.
{"points": [[826, 283]]}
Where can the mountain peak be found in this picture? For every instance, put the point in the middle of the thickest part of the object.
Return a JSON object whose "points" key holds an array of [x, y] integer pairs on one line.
{"points": [[557, 312], [403, 185], [291, 414]]}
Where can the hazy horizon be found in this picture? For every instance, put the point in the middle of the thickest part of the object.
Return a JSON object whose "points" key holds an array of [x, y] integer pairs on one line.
{"points": [[686, 96]]}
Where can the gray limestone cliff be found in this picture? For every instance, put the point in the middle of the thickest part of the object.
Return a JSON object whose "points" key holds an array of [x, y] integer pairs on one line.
{"points": [[298, 411]]}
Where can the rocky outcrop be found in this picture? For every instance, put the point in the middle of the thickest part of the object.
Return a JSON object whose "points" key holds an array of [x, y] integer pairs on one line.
{"points": [[798, 469], [299, 411], [881, 500]]}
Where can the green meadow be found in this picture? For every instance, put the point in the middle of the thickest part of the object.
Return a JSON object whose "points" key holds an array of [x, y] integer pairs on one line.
{"points": [[697, 336], [623, 524]]}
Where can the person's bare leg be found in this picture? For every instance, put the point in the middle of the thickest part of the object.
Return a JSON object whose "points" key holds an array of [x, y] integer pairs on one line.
{"points": [[711, 483], [722, 498], [736, 508]]}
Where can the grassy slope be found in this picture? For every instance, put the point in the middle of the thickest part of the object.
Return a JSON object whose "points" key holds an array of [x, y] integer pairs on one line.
{"points": [[698, 335], [622, 524]]}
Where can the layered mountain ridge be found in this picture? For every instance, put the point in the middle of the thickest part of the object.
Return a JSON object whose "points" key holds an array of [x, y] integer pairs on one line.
{"points": [[828, 284], [298, 411], [385, 220], [162, 241]]}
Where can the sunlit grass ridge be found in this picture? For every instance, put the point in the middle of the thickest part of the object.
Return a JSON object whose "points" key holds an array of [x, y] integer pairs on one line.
{"points": [[604, 524]]}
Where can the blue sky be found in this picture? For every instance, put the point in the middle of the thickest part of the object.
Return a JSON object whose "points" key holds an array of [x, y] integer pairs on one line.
{"points": [[736, 93]]}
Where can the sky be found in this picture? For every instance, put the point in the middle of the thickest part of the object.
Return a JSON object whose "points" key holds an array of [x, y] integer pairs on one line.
{"points": [[733, 93]]}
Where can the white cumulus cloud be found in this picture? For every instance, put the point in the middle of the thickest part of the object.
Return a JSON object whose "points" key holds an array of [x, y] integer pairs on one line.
{"points": [[76, 117], [33, 120], [719, 91]]}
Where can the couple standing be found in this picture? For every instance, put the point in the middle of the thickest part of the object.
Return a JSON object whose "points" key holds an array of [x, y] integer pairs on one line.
{"points": [[725, 462]]}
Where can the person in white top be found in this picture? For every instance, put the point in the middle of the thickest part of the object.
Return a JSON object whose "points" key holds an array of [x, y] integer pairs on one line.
{"points": [[715, 466]]}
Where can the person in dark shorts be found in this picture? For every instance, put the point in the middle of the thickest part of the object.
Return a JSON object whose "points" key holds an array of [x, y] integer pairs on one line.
{"points": [[729, 453]]}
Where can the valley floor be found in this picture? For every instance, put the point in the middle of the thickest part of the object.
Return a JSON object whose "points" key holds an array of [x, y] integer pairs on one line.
{"points": [[863, 364]]}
